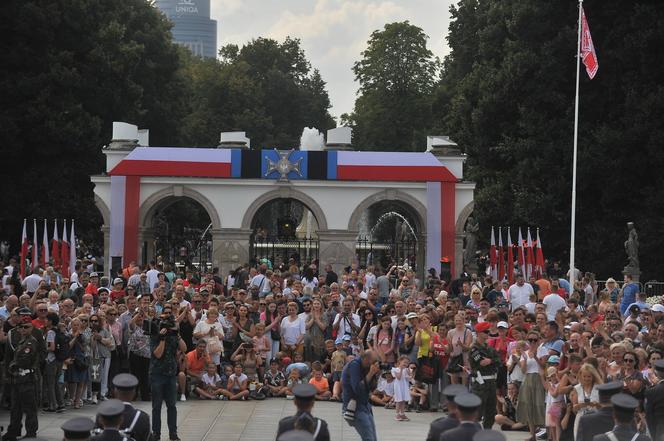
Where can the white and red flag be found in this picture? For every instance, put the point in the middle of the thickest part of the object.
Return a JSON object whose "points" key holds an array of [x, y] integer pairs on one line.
{"points": [[64, 251], [530, 256], [588, 55], [72, 249], [539, 257], [501, 255], [35, 245], [24, 248], [55, 246], [521, 256], [44, 258], [493, 255], [510, 258]]}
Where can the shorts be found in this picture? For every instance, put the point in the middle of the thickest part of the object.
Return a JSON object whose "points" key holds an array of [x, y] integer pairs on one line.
{"points": [[336, 376]]}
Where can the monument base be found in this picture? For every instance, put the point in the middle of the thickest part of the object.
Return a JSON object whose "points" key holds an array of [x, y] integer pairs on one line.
{"points": [[634, 272]]}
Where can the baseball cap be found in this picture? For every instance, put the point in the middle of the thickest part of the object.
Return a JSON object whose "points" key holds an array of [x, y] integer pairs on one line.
{"points": [[553, 359], [502, 325], [658, 307], [117, 280]]}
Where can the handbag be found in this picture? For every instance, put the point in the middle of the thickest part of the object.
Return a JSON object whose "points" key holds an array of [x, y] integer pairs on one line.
{"points": [[427, 370], [95, 370], [80, 363], [455, 363], [214, 345]]}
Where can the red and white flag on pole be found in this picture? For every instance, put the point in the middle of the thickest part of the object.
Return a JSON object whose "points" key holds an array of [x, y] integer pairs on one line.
{"points": [[44, 257], [539, 257], [501, 255], [64, 252], [588, 55], [530, 256], [510, 258], [493, 255], [521, 257], [72, 249], [55, 246], [24, 248], [35, 245]]}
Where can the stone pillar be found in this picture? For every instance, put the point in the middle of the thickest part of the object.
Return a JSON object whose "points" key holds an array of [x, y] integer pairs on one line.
{"points": [[106, 230], [230, 248], [146, 234], [458, 254], [337, 247], [421, 258]]}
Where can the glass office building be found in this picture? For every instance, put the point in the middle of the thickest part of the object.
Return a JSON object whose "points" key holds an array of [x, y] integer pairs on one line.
{"points": [[193, 27]]}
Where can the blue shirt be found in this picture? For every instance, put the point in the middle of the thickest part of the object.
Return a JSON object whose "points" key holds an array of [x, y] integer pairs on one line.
{"points": [[353, 379], [564, 284], [629, 296]]}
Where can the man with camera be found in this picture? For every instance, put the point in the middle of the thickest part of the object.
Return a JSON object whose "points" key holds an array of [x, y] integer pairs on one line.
{"points": [[347, 322], [164, 344], [358, 379]]}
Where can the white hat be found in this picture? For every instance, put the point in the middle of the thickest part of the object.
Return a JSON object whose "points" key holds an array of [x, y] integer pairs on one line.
{"points": [[502, 325], [658, 307], [118, 280]]}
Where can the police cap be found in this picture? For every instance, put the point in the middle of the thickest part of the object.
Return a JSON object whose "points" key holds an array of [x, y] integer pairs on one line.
{"points": [[23, 311], [296, 435], [111, 408], [305, 391], [659, 365], [125, 382], [467, 401], [453, 390], [489, 435], [607, 390], [624, 403], [78, 428]]}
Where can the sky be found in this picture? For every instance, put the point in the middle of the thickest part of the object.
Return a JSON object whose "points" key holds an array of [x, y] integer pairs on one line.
{"points": [[333, 33]]}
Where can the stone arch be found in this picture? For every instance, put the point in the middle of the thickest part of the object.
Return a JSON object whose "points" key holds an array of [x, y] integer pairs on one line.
{"points": [[285, 193], [463, 217], [103, 210], [391, 195], [169, 195]]}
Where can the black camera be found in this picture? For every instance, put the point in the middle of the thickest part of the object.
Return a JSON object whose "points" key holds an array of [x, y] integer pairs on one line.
{"points": [[335, 303], [154, 326]]}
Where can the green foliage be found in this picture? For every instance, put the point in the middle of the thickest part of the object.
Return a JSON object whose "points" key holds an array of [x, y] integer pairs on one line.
{"points": [[507, 97], [397, 74], [266, 88]]}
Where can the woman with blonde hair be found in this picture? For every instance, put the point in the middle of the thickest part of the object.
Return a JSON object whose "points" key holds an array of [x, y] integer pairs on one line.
{"points": [[585, 396], [613, 289], [531, 407]]}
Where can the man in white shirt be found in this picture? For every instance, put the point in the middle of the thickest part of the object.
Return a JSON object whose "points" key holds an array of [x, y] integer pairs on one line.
{"points": [[261, 281], [519, 293], [153, 275], [553, 303], [31, 283], [346, 322]]}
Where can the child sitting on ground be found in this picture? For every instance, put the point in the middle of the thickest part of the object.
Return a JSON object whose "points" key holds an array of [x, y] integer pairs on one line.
{"points": [[418, 391], [210, 386], [384, 393], [293, 380], [319, 380], [275, 380]]}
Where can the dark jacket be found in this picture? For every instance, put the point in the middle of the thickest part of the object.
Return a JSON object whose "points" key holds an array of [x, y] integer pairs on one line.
{"points": [[595, 423], [440, 426], [623, 433], [321, 433], [463, 432], [654, 407]]}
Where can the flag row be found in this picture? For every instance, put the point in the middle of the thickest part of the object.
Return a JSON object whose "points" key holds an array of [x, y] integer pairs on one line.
{"points": [[529, 256], [62, 252]]}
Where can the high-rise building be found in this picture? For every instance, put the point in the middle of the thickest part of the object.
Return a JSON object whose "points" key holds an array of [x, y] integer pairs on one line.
{"points": [[193, 27]]}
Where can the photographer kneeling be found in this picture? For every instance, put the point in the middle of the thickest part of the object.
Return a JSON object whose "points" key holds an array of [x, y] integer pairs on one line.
{"points": [[164, 344]]}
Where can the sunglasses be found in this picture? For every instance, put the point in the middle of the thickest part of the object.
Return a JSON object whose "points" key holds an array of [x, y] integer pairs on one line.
{"points": [[111, 313], [94, 321], [42, 310], [84, 320], [197, 301], [25, 326], [629, 360], [533, 340], [262, 304]]}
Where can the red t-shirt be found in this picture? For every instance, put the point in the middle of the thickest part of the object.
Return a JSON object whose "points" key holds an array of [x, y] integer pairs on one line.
{"points": [[38, 323], [117, 294], [500, 346], [439, 346]]}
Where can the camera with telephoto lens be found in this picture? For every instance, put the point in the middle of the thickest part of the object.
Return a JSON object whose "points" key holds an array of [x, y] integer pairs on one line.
{"points": [[154, 326]]}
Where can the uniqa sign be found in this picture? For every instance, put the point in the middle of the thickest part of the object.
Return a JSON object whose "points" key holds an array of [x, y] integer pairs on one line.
{"points": [[186, 6]]}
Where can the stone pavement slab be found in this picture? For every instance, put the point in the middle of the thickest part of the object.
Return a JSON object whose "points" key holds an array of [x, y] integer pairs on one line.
{"points": [[255, 421]]}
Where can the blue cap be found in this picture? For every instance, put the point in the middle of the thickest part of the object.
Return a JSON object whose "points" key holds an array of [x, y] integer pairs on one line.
{"points": [[489, 435], [553, 359], [467, 401], [111, 408], [607, 390], [78, 428], [453, 390], [296, 435], [624, 402]]}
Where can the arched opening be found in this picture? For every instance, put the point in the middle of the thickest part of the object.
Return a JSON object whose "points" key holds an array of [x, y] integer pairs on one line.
{"points": [[179, 232], [389, 233], [284, 231]]}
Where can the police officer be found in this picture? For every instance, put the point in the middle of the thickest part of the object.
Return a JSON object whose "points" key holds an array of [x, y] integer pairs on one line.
{"points": [[624, 407], [489, 435], [21, 368], [468, 405], [135, 422], [600, 421], [296, 435], [77, 429], [305, 397], [654, 404], [440, 425], [110, 415], [484, 362]]}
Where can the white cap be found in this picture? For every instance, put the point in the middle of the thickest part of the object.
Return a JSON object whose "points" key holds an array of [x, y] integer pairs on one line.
{"points": [[658, 307], [502, 325]]}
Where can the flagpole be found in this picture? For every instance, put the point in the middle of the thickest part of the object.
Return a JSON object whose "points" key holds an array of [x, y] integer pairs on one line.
{"points": [[576, 144]]}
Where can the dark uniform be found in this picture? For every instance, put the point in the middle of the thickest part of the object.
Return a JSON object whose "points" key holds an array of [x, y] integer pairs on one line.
{"points": [[304, 393], [623, 410], [110, 412], [135, 422], [489, 435], [485, 388], [21, 369], [77, 429], [654, 405], [466, 429], [441, 425], [600, 421], [296, 435]]}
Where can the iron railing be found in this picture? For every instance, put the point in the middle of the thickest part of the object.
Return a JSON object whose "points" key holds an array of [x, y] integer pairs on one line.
{"points": [[279, 250], [386, 253]]}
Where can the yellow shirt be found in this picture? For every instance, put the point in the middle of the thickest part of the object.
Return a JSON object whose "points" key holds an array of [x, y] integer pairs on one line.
{"points": [[423, 350]]}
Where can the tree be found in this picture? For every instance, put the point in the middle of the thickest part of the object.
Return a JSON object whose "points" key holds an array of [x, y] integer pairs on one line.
{"points": [[69, 69], [397, 74], [507, 95], [266, 88]]}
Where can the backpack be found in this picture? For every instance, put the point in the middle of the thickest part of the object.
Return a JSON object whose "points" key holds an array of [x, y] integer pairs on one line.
{"points": [[61, 346]]}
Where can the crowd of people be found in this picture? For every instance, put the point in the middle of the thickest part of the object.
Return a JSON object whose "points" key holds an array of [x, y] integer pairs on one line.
{"points": [[535, 352]]}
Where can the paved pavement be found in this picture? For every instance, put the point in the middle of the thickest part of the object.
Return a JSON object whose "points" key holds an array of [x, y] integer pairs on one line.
{"points": [[253, 421]]}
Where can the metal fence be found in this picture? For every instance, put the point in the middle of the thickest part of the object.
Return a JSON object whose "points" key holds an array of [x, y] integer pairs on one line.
{"points": [[279, 250], [651, 288], [385, 253], [189, 248]]}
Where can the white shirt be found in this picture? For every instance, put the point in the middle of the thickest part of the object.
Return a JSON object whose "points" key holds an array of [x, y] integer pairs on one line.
{"points": [[74, 277], [369, 281], [344, 327], [31, 283], [153, 278], [519, 295], [261, 282], [291, 331], [553, 303]]}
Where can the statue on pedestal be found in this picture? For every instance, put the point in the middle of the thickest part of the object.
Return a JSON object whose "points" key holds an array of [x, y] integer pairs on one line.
{"points": [[632, 249], [470, 251]]}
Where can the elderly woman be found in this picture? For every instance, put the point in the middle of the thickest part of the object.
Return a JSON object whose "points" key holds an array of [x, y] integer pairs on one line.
{"points": [[102, 343], [211, 331], [77, 375], [293, 328], [139, 351]]}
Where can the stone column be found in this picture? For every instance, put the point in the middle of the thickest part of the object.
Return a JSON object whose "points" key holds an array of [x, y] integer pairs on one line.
{"points": [[337, 247], [458, 254], [230, 248], [146, 234], [106, 230], [421, 258]]}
